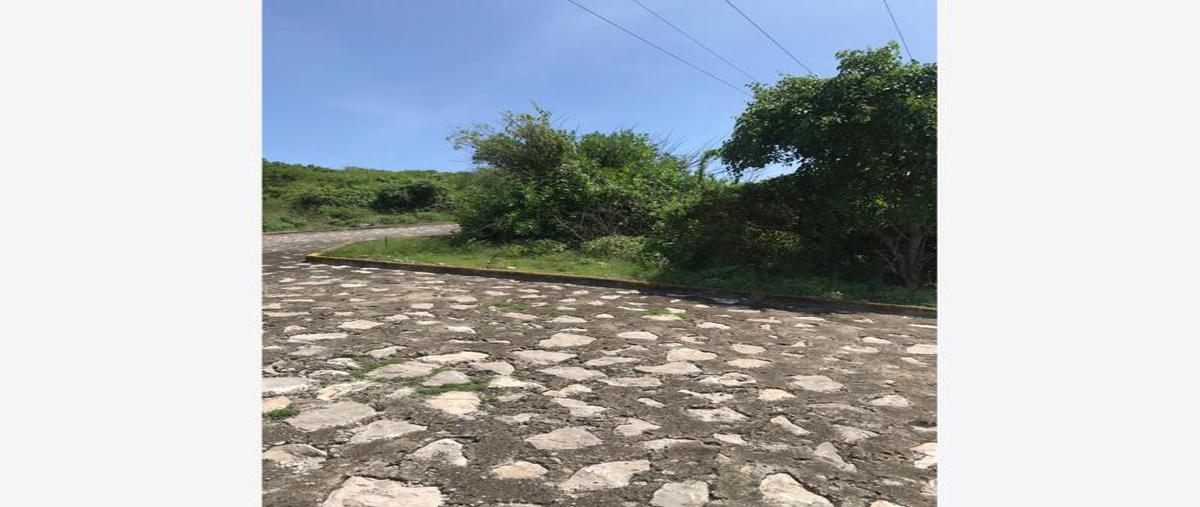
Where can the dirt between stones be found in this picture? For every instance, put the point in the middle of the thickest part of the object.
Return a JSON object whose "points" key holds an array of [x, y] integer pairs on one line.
{"points": [[706, 424]]}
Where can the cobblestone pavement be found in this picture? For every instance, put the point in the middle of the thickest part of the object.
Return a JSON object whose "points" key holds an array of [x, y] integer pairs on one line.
{"points": [[395, 388]]}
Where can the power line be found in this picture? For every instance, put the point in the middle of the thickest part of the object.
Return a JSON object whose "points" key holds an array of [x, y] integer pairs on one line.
{"points": [[897, 25], [656, 46], [764, 32], [693, 39]]}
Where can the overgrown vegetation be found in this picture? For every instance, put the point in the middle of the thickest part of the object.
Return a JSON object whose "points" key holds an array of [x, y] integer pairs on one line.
{"points": [[539, 182], [300, 197], [855, 219], [862, 200]]}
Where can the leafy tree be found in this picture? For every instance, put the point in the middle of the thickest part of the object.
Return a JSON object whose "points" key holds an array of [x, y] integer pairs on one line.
{"points": [[541, 182], [526, 147], [864, 147]]}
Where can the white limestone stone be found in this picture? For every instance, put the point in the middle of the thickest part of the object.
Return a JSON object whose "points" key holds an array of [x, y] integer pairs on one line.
{"points": [[774, 395], [275, 403], [638, 335], [564, 340], [519, 316], [783, 490], [497, 367], [445, 378], [301, 457], [729, 379], [816, 383], [689, 354], [789, 426], [384, 430], [730, 438], [850, 434], [675, 368], [573, 372], [457, 357], [359, 325], [615, 474], [384, 352], [338, 390], [542, 357], [445, 450], [634, 427], [828, 453], [742, 348], [519, 470], [611, 360], [922, 349], [633, 381], [891, 400], [410, 369], [747, 363], [458, 403], [337, 414], [681, 494], [579, 408], [283, 385], [562, 439], [312, 337]]}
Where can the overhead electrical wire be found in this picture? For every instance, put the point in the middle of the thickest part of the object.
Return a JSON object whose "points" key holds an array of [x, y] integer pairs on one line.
{"points": [[772, 39], [693, 39], [656, 46], [897, 25]]}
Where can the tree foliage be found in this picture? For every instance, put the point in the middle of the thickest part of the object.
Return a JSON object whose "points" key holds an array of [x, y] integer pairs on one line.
{"points": [[863, 143], [538, 181]]}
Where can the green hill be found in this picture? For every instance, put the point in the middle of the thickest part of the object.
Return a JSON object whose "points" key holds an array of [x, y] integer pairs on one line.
{"points": [[305, 197]]}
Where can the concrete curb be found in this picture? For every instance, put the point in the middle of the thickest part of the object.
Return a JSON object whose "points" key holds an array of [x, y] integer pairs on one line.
{"points": [[395, 226], [911, 310]]}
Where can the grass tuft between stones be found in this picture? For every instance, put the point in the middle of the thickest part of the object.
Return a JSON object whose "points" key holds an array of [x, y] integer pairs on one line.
{"points": [[664, 311], [369, 364], [511, 305], [475, 385], [281, 413]]}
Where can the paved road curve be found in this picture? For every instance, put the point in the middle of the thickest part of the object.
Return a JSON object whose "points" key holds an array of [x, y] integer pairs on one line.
{"points": [[420, 390]]}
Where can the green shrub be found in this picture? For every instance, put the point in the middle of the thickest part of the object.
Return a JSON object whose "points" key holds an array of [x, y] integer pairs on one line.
{"points": [[749, 226], [542, 182], [413, 217], [420, 195], [313, 198], [295, 194], [345, 215], [294, 221]]}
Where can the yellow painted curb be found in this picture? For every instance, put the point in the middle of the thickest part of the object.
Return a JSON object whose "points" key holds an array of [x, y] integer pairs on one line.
{"points": [[321, 258], [418, 224]]}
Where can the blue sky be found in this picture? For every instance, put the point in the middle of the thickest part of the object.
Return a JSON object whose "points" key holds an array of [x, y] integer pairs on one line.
{"points": [[381, 83]]}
